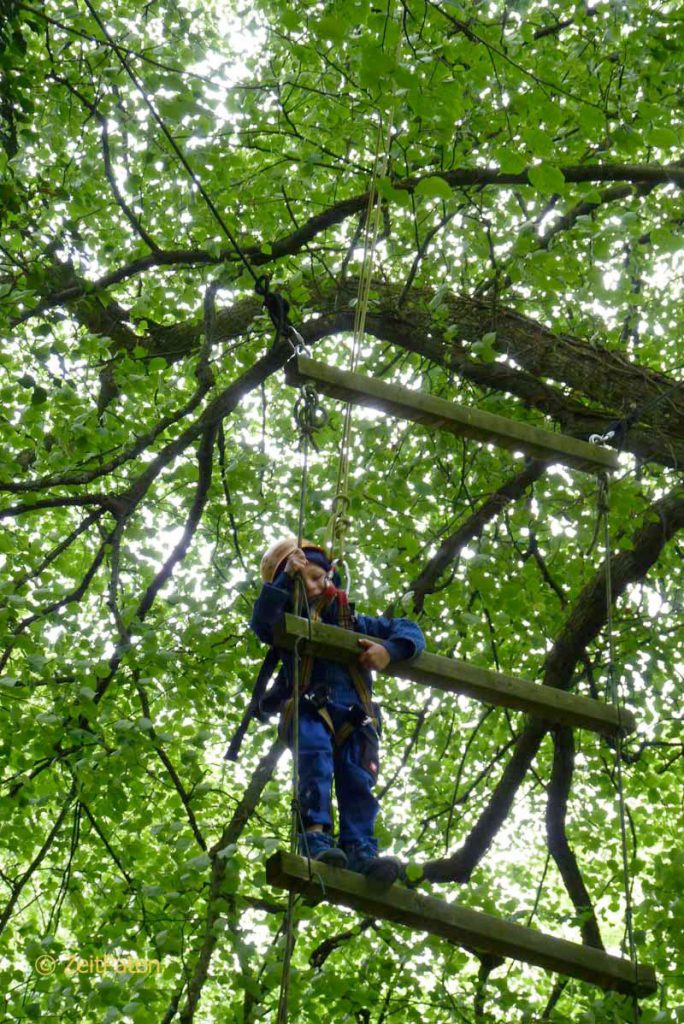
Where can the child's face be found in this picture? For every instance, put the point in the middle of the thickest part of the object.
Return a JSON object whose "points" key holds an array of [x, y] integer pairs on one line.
{"points": [[314, 580]]}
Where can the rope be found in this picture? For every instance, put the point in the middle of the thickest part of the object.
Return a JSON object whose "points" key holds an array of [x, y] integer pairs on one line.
{"points": [[614, 694], [340, 519], [278, 309], [309, 416], [283, 996]]}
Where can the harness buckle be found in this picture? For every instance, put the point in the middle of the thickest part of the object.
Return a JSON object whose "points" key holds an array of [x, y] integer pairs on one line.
{"points": [[358, 717], [317, 696]]}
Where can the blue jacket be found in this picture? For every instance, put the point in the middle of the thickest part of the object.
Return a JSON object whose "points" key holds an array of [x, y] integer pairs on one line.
{"points": [[403, 639]]}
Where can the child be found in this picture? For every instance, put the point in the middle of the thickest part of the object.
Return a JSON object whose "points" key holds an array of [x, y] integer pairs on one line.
{"points": [[338, 738]]}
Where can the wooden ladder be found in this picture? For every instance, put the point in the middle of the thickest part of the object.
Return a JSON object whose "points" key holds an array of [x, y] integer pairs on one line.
{"points": [[463, 420], [455, 676], [471, 929]]}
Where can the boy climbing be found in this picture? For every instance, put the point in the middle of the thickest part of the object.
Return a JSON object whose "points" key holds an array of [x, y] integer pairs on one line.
{"points": [[339, 725]]}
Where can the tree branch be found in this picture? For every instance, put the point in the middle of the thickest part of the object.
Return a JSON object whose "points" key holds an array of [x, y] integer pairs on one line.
{"points": [[559, 847], [18, 886], [449, 549], [291, 244], [230, 834], [583, 625]]}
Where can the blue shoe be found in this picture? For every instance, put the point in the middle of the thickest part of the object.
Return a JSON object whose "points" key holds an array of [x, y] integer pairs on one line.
{"points": [[319, 846], [363, 858]]}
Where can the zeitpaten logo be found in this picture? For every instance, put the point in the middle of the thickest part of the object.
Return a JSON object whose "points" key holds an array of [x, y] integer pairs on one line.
{"points": [[76, 964]]}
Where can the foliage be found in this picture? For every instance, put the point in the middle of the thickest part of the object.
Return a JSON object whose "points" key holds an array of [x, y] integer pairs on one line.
{"points": [[529, 263]]}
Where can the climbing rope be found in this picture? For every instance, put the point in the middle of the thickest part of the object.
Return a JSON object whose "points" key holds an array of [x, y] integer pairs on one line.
{"points": [[278, 309], [283, 996], [340, 519], [309, 417], [615, 698]]}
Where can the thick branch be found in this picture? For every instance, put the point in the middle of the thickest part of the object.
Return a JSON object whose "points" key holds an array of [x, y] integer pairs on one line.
{"points": [[230, 834], [559, 847], [448, 551], [608, 378], [584, 623], [336, 214], [421, 335]]}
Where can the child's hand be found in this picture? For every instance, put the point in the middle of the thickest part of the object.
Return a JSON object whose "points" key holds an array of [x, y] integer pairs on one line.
{"points": [[375, 655], [296, 562]]}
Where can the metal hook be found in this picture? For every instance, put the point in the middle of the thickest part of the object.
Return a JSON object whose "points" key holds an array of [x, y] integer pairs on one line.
{"points": [[301, 344], [347, 581], [601, 438]]}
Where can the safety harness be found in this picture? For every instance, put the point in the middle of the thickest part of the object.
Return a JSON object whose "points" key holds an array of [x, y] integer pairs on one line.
{"points": [[317, 698]]}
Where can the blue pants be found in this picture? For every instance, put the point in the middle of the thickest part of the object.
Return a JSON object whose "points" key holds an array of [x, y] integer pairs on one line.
{"points": [[320, 761]]}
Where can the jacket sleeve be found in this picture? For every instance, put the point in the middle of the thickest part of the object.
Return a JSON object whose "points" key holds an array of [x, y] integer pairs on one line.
{"points": [[403, 638], [271, 605]]}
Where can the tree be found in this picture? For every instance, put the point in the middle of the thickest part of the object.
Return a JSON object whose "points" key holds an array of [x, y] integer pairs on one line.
{"points": [[527, 263]]}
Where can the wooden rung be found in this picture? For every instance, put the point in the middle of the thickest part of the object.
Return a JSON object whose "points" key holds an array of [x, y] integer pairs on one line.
{"points": [[457, 419], [455, 676], [460, 925]]}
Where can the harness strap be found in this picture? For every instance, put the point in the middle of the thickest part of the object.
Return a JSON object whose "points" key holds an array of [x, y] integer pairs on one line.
{"points": [[345, 619]]}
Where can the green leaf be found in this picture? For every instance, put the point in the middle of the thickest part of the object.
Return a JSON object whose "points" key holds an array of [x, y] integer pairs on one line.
{"points": [[433, 188], [332, 28], [666, 240], [400, 196], [123, 725], [546, 178], [227, 851], [291, 19], [592, 120], [199, 863], [663, 138], [511, 162], [414, 872]]}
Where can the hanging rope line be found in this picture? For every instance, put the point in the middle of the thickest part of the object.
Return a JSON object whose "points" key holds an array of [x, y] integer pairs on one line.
{"points": [[309, 417], [615, 698], [277, 306], [340, 520], [279, 309]]}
